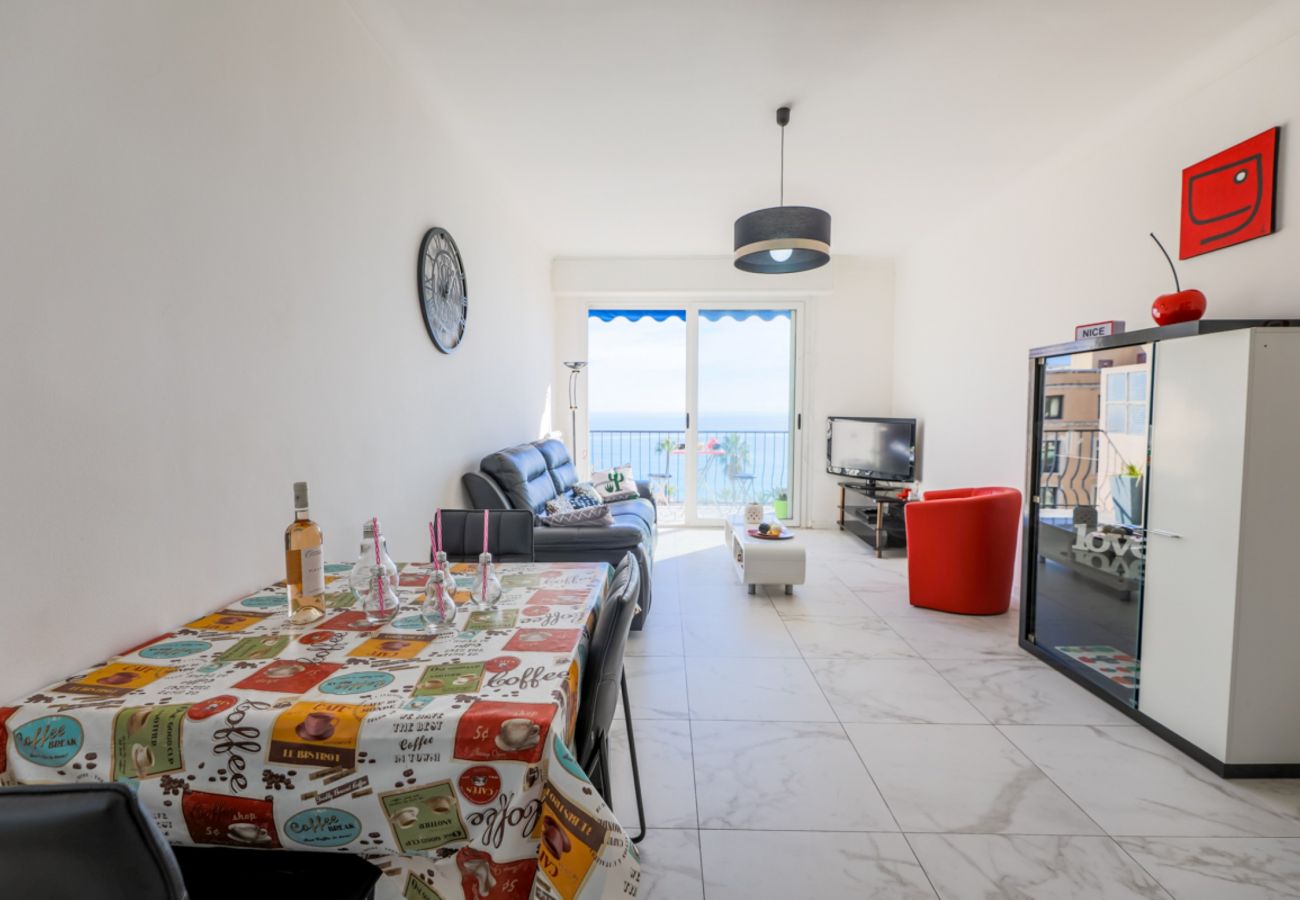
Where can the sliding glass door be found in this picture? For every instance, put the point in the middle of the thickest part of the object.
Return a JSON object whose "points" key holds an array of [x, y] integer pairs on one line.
{"points": [[700, 399], [745, 400]]}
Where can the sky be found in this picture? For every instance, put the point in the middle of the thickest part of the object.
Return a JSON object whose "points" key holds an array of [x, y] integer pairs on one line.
{"points": [[638, 370]]}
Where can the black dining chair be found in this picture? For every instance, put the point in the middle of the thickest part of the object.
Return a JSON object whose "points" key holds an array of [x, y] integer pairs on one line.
{"points": [[604, 681], [88, 841], [94, 842], [510, 535]]}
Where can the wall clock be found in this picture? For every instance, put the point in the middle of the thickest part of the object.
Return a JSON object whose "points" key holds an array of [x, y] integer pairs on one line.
{"points": [[444, 299]]}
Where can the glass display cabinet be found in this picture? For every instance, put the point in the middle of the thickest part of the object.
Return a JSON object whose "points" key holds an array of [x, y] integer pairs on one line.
{"points": [[1160, 498], [1091, 414]]}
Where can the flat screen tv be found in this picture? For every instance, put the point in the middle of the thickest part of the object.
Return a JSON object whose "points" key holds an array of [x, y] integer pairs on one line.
{"points": [[872, 448]]}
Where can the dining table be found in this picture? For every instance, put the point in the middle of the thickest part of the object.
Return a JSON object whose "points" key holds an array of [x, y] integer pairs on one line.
{"points": [[444, 757]]}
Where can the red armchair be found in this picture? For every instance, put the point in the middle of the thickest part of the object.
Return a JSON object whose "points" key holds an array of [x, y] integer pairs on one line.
{"points": [[961, 549]]}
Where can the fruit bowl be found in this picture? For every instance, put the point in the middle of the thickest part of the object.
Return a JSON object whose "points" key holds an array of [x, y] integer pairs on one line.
{"points": [[783, 536]]}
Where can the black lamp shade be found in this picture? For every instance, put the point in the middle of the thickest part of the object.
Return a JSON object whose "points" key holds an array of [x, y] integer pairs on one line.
{"points": [[803, 230]]}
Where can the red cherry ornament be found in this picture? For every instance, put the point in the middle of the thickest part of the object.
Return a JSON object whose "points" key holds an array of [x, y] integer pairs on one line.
{"points": [[1180, 306], [1183, 306]]}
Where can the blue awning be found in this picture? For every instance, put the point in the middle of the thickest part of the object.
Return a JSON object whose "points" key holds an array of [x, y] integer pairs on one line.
{"points": [[663, 315]]}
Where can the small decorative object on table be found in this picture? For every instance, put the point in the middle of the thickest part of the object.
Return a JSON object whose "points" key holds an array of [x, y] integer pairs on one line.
{"points": [[753, 513], [1098, 329], [486, 592], [374, 577], [1180, 306], [770, 531], [439, 607]]}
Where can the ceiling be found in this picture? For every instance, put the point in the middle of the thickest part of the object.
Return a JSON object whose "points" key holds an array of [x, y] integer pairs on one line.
{"points": [[635, 128]]}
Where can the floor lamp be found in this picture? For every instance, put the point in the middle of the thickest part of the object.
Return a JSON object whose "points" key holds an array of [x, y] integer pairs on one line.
{"points": [[575, 368]]}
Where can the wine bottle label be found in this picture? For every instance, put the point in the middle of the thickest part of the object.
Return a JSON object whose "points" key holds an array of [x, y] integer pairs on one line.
{"points": [[313, 571]]}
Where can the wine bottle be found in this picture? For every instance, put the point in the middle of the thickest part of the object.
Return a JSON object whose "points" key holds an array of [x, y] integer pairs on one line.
{"points": [[304, 562]]}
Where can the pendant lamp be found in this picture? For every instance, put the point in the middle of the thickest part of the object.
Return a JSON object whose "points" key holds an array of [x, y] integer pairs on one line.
{"points": [[783, 238]]}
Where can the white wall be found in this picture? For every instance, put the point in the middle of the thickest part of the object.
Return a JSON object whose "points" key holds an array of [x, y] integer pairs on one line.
{"points": [[848, 324], [1069, 245], [208, 234]]}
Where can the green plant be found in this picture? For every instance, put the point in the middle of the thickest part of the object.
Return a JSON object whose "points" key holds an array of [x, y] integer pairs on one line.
{"points": [[1132, 471], [783, 496], [736, 450]]}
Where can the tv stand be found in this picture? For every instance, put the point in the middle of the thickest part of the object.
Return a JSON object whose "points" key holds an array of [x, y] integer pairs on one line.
{"points": [[879, 521]]}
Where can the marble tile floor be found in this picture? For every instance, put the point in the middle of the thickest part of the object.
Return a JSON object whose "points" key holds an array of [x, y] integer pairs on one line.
{"points": [[842, 743]]}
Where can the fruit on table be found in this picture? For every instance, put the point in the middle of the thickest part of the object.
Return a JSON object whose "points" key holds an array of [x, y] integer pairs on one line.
{"points": [[764, 528], [774, 530]]}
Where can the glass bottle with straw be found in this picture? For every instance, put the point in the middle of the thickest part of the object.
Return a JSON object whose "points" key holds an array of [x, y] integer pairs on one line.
{"points": [[439, 607], [486, 592], [374, 577]]}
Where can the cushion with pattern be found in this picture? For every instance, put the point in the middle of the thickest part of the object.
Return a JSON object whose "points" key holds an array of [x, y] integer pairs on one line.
{"points": [[584, 495], [615, 484], [587, 516]]}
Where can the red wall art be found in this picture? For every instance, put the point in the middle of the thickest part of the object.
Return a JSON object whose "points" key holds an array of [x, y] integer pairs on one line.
{"points": [[1229, 198]]}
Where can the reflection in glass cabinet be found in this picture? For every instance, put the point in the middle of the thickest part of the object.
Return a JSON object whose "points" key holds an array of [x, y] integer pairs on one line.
{"points": [[1092, 411]]}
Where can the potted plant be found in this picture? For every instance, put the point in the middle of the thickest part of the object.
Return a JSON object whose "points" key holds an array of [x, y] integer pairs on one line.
{"points": [[1126, 494], [781, 505]]}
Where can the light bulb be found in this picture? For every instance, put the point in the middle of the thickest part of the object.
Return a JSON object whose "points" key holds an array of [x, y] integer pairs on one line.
{"points": [[780, 255]]}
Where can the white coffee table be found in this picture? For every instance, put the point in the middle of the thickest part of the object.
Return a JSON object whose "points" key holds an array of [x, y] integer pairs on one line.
{"points": [[760, 561]]}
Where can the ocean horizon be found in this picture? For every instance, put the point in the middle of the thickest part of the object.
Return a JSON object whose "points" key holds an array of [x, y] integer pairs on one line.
{"points": [[760, 443]]}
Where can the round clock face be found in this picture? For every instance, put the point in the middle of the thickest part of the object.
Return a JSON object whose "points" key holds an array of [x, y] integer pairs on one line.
{"points": [[443, 296]]}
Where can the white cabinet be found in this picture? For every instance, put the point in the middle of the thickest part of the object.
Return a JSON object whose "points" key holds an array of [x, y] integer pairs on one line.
{"points": [[1220, 623]]}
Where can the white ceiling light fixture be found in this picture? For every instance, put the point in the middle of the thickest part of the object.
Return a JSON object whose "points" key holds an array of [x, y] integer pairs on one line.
{"points": [[783, 238]]}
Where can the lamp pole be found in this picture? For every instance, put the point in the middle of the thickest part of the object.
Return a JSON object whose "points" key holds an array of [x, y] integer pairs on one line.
{"points": [[575, 368]]}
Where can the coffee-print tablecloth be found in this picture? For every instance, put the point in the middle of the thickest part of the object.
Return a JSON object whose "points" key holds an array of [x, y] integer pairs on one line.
{"points": [[443, 759]]}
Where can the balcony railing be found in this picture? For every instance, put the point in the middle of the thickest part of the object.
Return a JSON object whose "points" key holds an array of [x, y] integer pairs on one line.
{"points": [[734, 467], [1076, 465]]}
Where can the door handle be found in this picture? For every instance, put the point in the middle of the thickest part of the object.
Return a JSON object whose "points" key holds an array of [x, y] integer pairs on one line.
{"points": [[1157, 531]]}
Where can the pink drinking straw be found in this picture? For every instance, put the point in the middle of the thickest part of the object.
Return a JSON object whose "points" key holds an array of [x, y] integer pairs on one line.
{"points": [[438, 517], [485, 550], [433, 546], [374, 527]]}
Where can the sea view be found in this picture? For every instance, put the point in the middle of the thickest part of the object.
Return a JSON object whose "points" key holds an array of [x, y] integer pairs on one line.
{"points": [[743, 456]]}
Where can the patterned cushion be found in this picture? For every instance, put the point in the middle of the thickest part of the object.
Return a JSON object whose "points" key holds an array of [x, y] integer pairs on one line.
{"points": [[581, 497], [585, 495], [587, 516], [615, 484], [559, 505]]}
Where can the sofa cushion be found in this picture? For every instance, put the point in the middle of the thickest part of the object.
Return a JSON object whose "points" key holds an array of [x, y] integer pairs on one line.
{"points": [[557, 543], [523, 475], [639, 507], [585, 495], [586, 517], [581, 497], [617, 483], [563, 473]]}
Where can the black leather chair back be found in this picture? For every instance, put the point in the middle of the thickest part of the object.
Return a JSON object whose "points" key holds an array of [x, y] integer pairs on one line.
{"points": [[510, 535], [604, 670], [85, 841]]}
